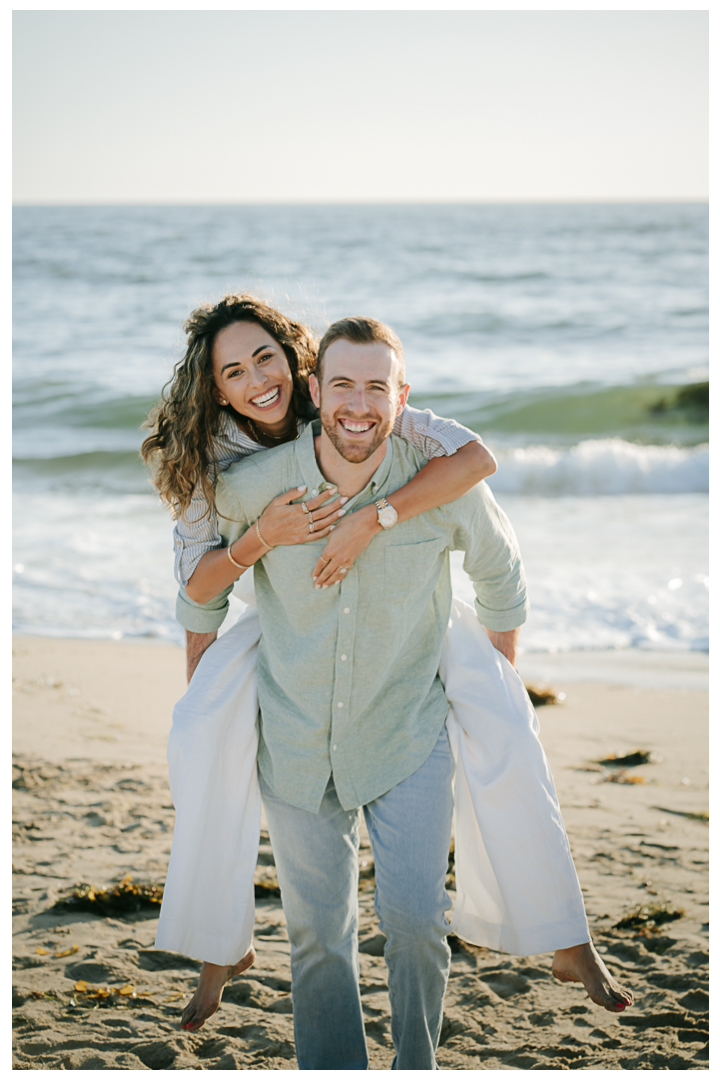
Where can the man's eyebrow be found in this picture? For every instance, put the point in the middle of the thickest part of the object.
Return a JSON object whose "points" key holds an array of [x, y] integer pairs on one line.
{"points": [[234, 363], [349, 378]]}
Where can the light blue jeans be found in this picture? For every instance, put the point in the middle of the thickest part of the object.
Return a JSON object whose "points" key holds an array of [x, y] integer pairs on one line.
{"points": [[317, 865]]}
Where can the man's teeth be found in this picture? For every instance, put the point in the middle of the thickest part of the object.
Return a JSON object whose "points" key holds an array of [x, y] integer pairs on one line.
{"points": [[357, 429], [267, 398]]}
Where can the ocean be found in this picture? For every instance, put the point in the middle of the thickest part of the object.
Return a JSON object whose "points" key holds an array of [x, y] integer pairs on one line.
{"points": [[573, 338]]}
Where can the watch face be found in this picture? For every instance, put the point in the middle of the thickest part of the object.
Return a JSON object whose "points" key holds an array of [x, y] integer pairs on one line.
{"points": [[387, 517]]}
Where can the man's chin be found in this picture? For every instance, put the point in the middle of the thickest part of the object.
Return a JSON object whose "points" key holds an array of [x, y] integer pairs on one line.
{"points": [[353, 450]]}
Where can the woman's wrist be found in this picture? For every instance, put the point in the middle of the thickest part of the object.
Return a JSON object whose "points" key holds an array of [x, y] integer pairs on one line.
{"points": [[367, 516], [247, 549]]}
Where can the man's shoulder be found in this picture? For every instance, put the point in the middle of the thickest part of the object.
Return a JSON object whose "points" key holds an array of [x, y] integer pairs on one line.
{"points": [[255, 476], [405, 454]]}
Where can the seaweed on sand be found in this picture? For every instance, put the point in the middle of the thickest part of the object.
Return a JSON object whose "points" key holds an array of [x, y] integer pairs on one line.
{"points": [[648, 917], [126, 897], [539, 696]]}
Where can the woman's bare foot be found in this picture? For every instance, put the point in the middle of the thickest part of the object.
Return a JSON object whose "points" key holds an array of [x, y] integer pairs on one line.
{"points": [[206, 999], [581, 963]]}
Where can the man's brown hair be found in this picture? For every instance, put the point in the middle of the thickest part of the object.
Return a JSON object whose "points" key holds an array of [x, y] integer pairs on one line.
{"points": [[361, 331]]}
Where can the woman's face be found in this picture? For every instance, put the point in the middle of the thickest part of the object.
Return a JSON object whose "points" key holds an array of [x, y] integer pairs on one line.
{"points": [[252, 374]]}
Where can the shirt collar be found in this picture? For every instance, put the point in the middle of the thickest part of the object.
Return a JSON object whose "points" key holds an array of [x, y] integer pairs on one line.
{"points": [[316, 481]]}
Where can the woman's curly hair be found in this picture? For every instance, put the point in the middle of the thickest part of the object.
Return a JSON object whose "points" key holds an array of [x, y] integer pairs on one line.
{"points": [[180, 450]]}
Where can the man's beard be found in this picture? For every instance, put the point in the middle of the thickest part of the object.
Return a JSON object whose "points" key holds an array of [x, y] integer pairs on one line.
{"points": [[355, 452]]}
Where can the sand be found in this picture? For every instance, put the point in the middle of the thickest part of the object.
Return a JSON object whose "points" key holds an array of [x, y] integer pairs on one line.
{"points": [[91, 804]]}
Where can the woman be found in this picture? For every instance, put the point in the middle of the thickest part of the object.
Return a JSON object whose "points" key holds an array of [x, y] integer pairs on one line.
{"points": [[247, 359]]}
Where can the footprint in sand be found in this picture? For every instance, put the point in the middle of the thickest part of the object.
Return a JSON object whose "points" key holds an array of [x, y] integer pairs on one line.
{"points": [[505, 983]]}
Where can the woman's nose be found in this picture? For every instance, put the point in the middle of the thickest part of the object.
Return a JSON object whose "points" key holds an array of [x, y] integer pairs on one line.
{"points": [[258, 377]]}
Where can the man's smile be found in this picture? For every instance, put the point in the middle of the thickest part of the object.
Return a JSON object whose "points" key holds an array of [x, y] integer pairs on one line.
{"points": [[355, 427]]}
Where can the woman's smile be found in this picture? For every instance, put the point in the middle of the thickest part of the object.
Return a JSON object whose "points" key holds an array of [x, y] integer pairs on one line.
{"points": [[268, 399]]}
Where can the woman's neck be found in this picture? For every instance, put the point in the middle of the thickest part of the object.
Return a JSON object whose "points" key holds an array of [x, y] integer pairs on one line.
{"points": [[272, 435]]}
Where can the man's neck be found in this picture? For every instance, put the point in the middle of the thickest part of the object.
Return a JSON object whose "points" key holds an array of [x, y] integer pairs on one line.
{"points": [[349, 477]]}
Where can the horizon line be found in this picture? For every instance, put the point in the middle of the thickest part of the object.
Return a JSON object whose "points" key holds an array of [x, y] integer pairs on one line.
{"points": [[490, 201]]}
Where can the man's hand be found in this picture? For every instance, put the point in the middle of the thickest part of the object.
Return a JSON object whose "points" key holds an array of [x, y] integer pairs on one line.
{"points": [[505, 641], [195, 646]]}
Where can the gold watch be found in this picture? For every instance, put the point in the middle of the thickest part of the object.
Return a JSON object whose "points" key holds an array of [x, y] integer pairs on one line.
{"points": [[387, 514]]}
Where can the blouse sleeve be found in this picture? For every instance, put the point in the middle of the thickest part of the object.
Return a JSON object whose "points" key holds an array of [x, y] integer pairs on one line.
{"points": [[432, 435], [193, 535]]}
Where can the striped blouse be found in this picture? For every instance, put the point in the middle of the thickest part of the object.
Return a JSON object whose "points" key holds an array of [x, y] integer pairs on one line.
{"points": [[197, 531]]}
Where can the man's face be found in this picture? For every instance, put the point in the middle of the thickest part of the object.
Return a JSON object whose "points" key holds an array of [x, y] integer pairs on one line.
{"points": [[359, 398]]}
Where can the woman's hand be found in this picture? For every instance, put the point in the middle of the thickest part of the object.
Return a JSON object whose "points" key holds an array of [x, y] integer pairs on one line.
{"points": [[349, 538], [283, 522]]}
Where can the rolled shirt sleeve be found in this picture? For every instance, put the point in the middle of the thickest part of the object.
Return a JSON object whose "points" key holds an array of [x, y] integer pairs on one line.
{"points": [[202, 618], [492, 560]]}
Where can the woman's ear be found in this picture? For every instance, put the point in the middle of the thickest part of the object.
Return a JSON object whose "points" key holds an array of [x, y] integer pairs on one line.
{"points": [[219, 396]]}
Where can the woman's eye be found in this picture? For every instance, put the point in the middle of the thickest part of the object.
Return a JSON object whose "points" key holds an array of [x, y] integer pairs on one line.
{"points": [[234, 374], [267, 356]]}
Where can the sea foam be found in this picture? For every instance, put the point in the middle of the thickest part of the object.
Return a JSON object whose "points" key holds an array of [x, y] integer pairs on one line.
{"points": [[602, 467]]}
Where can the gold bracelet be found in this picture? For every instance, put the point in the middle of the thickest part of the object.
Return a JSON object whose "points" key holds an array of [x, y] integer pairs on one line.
{"points": [[260, 537], [229, 555]]}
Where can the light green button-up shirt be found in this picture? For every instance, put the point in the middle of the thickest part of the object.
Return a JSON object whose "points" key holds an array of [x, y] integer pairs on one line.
{"points": [[347, 676]]}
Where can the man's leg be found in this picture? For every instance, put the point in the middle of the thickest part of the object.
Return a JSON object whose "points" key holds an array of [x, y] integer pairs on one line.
{"points": [[317, 866], [409, 830]]}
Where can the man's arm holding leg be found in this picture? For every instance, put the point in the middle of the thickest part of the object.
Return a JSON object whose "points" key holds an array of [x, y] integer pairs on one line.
{"points": [[195, 646], [505, 641]]}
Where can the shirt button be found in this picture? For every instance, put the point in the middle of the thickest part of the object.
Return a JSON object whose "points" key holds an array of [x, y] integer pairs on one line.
{"points": [[314, 491], [334, 746], [343, 657], [346, 610], [340, 704]]}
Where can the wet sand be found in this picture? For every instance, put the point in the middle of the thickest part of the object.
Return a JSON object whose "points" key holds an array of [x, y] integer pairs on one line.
{"points": [[91, 804]]}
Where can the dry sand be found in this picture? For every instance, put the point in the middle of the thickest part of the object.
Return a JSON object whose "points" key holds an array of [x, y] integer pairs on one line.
{"points": [[91, 804]]}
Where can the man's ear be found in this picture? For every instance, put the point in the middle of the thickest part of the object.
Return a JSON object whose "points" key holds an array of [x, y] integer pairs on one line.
{"points": [[402, 399], [315, 391]]}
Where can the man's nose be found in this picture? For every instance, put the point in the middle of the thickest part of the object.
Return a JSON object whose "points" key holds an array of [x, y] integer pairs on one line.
{"points": [[357, 401]]}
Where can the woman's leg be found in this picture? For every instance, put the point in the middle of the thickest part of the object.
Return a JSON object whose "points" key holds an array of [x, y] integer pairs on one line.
{"points": [[208, 905], [517, 886]]}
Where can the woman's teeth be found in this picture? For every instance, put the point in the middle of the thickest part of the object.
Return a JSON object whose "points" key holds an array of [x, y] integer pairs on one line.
{"points": [[267, 399]]}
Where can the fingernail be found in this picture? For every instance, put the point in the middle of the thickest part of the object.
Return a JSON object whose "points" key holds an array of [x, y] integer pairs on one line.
{"points": [[331, 528], [324, 586], [341, 512], [303, 487], [314, 579], [344, 498], [332, 488], [317, 586]]}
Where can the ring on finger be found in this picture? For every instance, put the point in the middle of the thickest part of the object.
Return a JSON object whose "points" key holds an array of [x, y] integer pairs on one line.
{"points": [[323, 561], [344, 569], [304, 508], [311, 526]]}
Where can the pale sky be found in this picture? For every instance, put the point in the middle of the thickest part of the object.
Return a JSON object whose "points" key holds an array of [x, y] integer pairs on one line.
{"points": [[295, 106]]}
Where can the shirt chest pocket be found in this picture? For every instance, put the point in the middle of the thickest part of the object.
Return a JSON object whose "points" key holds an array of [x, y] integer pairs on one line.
{"points": [[412, 570]]}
